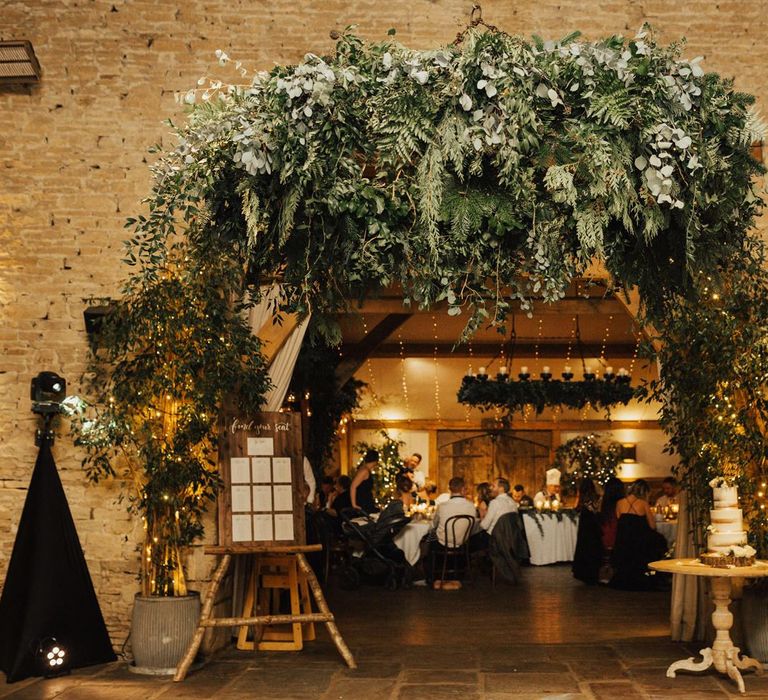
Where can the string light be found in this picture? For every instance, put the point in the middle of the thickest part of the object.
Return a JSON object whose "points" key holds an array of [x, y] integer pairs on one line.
{"points": [[467, 407], [437, 380], [604, 341], [371, 377], [637, 349], [403, 377], [536, 347]]}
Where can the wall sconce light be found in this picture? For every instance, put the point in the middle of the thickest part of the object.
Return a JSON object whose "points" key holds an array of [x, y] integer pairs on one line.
{"points": [[18, 63], [628, 453], [94, 318]]}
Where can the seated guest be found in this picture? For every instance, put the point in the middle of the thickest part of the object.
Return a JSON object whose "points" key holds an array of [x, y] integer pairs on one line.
{"points": [[637, 542], [361, 489], [401, 502], [431, 493], [588, 556], [551, 491], [482, 498], [520, 497], [324, 492], [340, 499], [669, 493], [501, 504], [457, 504]]}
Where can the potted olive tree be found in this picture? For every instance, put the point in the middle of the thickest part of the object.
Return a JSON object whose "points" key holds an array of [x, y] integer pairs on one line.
{"points": [[168, 353]]}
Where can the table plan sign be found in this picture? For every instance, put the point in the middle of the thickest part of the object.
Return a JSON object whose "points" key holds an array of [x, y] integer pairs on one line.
{"points": [[260, 462]]}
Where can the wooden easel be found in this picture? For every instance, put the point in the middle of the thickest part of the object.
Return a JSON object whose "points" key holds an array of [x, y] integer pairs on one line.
{"points": [[296, 620]]}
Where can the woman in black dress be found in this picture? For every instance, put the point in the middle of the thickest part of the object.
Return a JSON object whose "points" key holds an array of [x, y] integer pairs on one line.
{"points": [[361, 490], [588, 556], [637, 542]]}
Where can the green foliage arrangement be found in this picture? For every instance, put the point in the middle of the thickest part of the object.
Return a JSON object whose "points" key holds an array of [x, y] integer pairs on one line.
{"points": [[172, 351], [515, 396], [587, 457], [713, 383], [482, 173]]}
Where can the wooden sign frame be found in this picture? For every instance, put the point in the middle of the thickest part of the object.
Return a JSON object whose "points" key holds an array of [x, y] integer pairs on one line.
{"points": [[260, 459]]}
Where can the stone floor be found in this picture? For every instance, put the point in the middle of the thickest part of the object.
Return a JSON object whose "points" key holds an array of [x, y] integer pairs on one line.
{"points": [[547, 638]]}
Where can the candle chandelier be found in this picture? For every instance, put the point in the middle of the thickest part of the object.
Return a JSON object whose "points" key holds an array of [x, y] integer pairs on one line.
{"points": [[599, 391]]}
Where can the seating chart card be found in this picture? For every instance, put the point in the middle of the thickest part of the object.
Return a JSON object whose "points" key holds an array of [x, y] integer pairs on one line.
{"points": [[260, 461]]}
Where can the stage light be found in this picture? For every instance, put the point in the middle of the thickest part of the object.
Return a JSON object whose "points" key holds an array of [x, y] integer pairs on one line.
{"points": [[52, 657]]}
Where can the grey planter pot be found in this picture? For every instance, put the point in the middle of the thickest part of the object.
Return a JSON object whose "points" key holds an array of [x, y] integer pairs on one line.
{"points": [[754, 622], [161, 631]]}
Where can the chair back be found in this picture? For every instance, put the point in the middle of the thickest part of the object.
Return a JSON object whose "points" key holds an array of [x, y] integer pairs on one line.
{"points": [[457, 530]]}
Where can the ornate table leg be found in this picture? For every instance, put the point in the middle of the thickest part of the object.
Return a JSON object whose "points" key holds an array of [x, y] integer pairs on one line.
{"points": [[690, 664], [726, 656]]}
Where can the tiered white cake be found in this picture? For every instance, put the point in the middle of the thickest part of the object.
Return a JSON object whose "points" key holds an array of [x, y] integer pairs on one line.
{"points": [[727, 539]]}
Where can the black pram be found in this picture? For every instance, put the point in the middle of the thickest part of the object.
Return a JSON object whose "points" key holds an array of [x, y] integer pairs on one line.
{"points": [[377, 559]]}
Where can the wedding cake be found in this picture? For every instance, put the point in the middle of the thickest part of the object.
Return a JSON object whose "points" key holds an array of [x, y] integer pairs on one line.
{"points": [[726, 539]]}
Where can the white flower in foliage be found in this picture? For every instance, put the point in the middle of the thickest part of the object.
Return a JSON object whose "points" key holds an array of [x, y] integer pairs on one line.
{"points": [[466, 102]]}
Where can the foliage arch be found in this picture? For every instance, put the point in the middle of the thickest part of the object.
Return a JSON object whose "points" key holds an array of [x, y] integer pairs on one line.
{"points": [[487, 173]]}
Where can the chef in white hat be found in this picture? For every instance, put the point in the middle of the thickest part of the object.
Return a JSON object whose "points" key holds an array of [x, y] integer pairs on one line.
{"points": [[551, 492]]}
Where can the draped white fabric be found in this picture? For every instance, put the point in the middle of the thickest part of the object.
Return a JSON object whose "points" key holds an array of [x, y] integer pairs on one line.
{"points": [[281, 369], [689, 600]]}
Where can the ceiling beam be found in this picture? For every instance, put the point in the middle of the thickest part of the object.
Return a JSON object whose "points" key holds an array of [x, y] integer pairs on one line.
{"points": [[565, 307], [355, 355], [548, 350], [515, 424]]}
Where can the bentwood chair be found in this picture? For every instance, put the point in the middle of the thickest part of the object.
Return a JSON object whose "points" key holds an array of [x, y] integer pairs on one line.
{"points": [[457, 530]]}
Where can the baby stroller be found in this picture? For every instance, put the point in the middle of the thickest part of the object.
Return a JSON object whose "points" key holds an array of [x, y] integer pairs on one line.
{"points": [[380, 561]]}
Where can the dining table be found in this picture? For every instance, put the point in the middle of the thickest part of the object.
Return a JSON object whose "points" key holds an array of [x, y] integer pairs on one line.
{"points": [[551, 535], [409, 539]]}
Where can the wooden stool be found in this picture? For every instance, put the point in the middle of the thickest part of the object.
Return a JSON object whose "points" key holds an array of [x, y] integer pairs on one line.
{"points": [[272, 574]]}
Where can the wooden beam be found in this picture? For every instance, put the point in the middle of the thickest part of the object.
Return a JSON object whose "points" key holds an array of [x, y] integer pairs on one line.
{"points": [[565, 307], [356, 355], [631, 304], [563, 425], [549, 350]]}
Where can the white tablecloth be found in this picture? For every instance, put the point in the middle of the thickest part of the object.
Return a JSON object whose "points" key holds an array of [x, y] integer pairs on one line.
{"points": [[558, 540], [668, 528], [409, 538]]}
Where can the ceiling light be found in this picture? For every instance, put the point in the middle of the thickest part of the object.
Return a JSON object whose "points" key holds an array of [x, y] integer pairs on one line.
{"points": [[18, 63]]}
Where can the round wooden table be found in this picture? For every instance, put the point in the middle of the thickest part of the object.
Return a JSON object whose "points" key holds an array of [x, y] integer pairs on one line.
{"points": [[723, 655]]}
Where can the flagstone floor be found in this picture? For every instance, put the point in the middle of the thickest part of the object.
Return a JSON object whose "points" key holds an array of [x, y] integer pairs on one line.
{"points": [[550, 637]]}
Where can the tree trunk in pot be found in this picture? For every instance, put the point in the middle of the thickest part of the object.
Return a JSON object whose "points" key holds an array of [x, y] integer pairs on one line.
{"points": [[161, 631], [754, 608]]}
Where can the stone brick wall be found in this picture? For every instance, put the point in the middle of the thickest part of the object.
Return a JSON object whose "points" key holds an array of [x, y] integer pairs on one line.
{"points": [[73, 166]]}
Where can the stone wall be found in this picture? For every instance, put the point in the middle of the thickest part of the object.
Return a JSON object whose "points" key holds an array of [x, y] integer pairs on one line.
{"points": [[73, 165]]}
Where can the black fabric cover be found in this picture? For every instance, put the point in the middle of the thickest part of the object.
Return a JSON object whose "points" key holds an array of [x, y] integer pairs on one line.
{"points": [[588, 556], [508, 546], [48, 590]]}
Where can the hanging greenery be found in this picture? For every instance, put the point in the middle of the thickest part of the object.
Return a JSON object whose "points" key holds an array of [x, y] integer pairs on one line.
{"points": [[515, 396], [587, 457], [480, 173]]}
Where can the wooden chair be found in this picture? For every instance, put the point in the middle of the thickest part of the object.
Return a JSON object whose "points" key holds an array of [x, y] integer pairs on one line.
{"points": [[456, 544]]}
